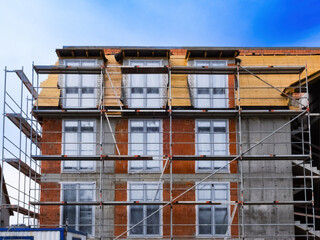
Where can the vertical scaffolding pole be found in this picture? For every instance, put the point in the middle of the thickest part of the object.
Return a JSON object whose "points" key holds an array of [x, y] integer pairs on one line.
{"points": [[240, 163], [310, 155], [170, 146], [101, 150], [20, 152], [37, 168], [3, 129]]}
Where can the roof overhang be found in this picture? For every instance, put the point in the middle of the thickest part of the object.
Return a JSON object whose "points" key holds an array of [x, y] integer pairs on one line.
{"points": [[80, 53], [142, 52], [212, 53]]}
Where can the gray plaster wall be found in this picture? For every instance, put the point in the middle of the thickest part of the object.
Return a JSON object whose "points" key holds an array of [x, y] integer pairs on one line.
{"points": [[279, 175]]}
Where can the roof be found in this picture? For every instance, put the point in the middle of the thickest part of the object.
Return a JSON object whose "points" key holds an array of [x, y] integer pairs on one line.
{"points": [[190, 47], [5, 191]]}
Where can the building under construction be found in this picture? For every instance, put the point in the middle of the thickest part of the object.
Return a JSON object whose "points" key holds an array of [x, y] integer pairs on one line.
{"points": [[165, 143]]}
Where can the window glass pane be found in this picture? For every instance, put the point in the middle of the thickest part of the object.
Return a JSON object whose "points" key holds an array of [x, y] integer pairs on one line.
{"points": [[69, 212], [203, 144], [87, 143], [205, 220], [85, 219], [153, 222], [136, 192], [136, 143], [89, 81], [220, 192], [153, 84], [136, 90], [70, 143], [137, 84], [153, 144], [72, 84], [221, 220], [136, 215], [152, 191], [86, 194], [204, 192], [85, 214]]}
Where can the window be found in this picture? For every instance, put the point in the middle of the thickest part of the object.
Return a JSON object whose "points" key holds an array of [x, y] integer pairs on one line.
{"points": [[145, 139], [212, 139], [79, 140], [213, 219], [211, 90], [80, 89], [78, 217], [146, 192], [146, 89]]}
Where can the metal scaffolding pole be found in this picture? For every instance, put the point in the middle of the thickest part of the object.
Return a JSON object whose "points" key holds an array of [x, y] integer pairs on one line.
{"points": [[310, 153], [240, 166]]}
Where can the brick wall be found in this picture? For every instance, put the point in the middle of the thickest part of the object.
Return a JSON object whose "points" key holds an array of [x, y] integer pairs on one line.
{"points": [[50, 191], [51, 144], [50, 215], [182, 214]]}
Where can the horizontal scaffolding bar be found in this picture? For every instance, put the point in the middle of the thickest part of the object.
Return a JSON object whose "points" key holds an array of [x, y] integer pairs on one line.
{"points": [[229, 113], [271, 157], [43, 69], [27, 83], [16, 119], [89, 158], [116, 203], [174, 157], [24, 168], [211, 70], [54, 69]]}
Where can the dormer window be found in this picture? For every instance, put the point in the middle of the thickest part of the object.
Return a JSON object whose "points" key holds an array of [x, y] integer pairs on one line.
{"points": [[80, 90], [145, 90], [209, 91]]}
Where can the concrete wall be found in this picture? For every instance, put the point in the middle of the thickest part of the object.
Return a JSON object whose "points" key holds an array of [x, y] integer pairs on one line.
{"points": [[5, 214], [276, 171]]}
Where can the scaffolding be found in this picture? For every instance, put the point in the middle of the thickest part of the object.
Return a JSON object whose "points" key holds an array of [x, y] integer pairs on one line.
{"points": [[27, 162]]}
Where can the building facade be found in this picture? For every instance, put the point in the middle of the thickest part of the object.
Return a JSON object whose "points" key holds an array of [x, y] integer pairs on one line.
{"points": [[177, 143]]}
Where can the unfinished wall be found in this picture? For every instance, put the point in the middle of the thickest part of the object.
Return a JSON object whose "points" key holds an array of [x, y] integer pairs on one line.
{"points": [[259, 97], [279, 175]]}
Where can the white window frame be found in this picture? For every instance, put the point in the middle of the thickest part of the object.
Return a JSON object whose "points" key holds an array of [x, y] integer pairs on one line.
{"points": [[78, 169], [226, 169], [95, 90], [211, 86], [156, 158], [160, 192], [78, 206], [213, 209], [145, 79]]}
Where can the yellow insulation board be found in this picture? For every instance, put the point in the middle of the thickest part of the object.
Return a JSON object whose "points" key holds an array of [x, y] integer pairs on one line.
{"points": [[252, 96]]}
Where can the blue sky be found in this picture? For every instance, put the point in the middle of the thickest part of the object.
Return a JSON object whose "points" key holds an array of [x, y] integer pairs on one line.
{"points": [[31, 30]]}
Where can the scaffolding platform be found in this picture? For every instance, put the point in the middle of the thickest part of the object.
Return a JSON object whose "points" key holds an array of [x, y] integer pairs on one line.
{"points": [[24, 168], [27, 83], [130, 203], [44, 69], [193, 113], [23, 211], [16, 119]]}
